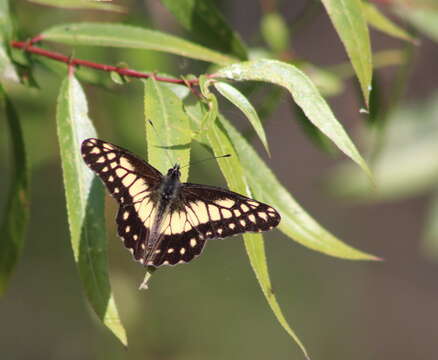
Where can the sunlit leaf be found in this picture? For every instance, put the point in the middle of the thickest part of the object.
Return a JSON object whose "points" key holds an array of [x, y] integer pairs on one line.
{"points": [[126, 36], [295, 222], [14, 221], [168, 132], [350, 23], [379, 21], [425, 18], [80, 4], [233, 173], [406, 165], [207, 25], [305, 95], [240, 101], [85, 205], [7, 70]]}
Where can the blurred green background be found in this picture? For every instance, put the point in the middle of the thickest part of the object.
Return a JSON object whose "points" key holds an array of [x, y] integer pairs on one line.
{"points": [[213, 308]]}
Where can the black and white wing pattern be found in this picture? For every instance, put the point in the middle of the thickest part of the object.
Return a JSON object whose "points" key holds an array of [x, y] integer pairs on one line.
{"points": [[133, 183], [208, 212], [163, 221]]}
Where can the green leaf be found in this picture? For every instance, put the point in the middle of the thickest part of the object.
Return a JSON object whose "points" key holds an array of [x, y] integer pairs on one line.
{"points": [[169, 136], [295, 222], [380, 22], [207, 25], [406, 165], [7, 69], [424, 19], [255, 249], [305, 95], [233, 173], [275, 32], [125, 36], [85, 205], [80, 4], [16, 213], [349, 21], [239, 100]]}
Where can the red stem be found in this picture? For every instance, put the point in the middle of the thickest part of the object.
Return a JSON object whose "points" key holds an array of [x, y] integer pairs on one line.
{"points": [[28, 46]]}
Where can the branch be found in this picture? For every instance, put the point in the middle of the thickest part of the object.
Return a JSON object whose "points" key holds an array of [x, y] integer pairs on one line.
{"points": [[29, 47]]}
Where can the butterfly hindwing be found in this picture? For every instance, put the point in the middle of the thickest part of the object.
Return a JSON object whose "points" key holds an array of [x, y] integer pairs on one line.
{"points": [[218, 213], [131, 182]]}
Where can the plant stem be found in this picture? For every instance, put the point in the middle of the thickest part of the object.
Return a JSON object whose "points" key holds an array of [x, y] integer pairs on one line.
{"points": [[29, 47]]}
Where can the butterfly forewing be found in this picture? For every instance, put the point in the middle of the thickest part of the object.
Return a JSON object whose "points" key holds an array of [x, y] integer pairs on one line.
{"points": [[132, 182], [218, 213], [162, 231]]}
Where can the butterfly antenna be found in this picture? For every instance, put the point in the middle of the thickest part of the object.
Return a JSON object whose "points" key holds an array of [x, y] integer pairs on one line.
{"points": [[210, 158], [161, 146]]}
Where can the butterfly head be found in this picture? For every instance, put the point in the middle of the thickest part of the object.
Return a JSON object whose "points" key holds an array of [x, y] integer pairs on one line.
{"points": [[174, 172]]}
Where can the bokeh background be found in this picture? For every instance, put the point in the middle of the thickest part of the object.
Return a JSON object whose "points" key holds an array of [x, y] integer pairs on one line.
{"points": [[213, 308]]}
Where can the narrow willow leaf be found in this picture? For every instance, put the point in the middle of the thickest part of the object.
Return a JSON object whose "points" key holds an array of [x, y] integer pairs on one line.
{"points": [[305, 95], [313, 133], [211, 114], [295, 222], [126, 36], [380, 22], [240, 101], [16, 213], [207, 25], [350, 23], [80, 4], [85, 205], [406, 166], [255, 249], [7, 69], [423, 19], [233, 173], [275, 32], [169, 135]]}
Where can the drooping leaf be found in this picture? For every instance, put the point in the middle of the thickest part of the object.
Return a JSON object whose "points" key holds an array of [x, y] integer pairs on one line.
{"points": [[7, 69], [350, 23], [126, 36], [14, 222], [168, 132], [379, 21], [423, 18], [304, 93], [85, 205], [406, 165], [80, 4], [234, 175], [240, 101], [295, 222], [208, 26]]}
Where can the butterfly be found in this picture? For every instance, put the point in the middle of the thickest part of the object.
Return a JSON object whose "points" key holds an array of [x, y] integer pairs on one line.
{"points": [[163, 221]]}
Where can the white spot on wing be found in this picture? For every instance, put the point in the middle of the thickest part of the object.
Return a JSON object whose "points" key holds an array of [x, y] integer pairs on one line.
{"points": [[226, 203], [263, 215], [226, 213], [214, 212], [121, 172]]}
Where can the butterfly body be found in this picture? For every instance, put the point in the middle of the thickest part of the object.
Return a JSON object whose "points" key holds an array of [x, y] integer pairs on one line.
{"points": [[163, 221]]}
